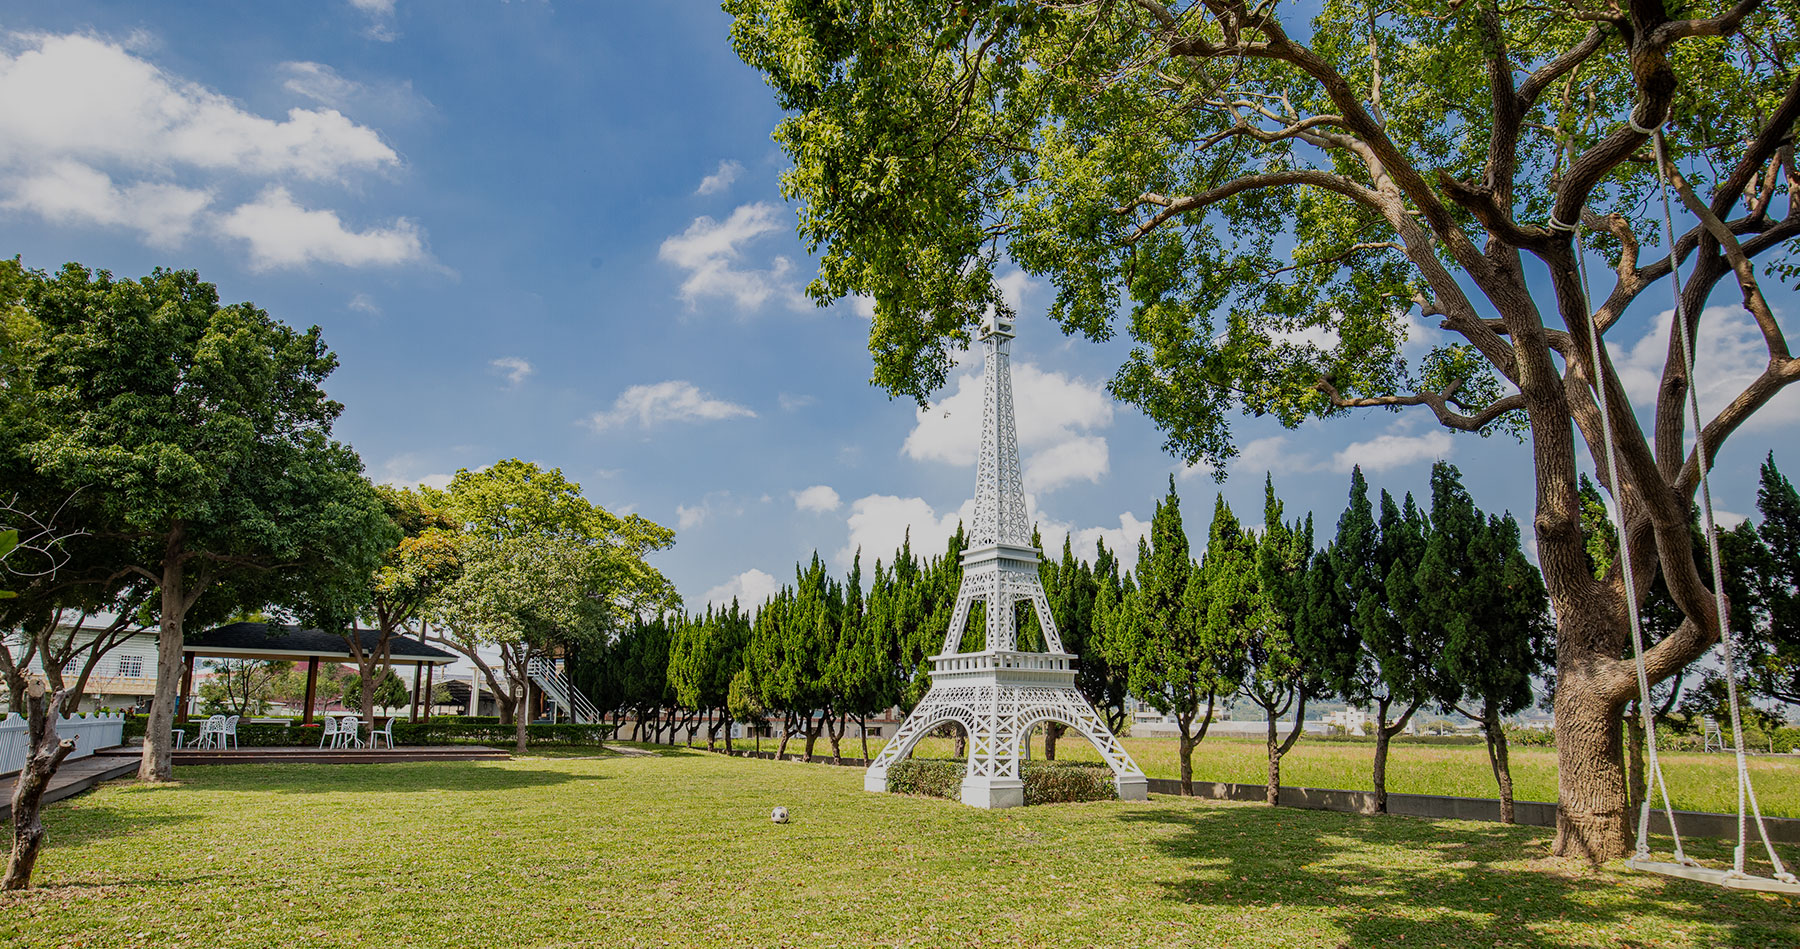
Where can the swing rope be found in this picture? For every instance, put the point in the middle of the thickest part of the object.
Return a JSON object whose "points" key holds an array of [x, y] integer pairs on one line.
{"points": [[1597, 357], [1746, 789]]}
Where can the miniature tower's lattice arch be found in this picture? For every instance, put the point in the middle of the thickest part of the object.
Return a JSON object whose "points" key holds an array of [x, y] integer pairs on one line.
{"points": [[999, 694]]}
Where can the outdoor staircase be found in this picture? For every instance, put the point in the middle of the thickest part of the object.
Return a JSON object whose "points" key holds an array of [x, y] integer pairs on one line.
{"points": [[558, 689]]}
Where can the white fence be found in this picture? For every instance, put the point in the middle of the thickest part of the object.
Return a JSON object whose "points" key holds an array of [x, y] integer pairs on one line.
{"points": [[89, 731]]}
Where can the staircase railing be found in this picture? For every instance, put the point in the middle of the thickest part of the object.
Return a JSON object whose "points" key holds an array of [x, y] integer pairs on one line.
{"points": [[554, 684]]}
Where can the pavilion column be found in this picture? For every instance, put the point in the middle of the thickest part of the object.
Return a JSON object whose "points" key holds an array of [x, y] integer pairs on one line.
{"points": [[312, 689], [429, 670], [187, 689], [415, 695]]}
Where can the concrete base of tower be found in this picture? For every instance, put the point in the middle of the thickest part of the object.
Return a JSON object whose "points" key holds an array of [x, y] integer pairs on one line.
{"points": [[1132, 787], [875, 780], [993, 793]]}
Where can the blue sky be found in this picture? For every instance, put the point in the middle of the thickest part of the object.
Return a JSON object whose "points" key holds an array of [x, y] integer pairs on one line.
{"points": [[553, 231]]}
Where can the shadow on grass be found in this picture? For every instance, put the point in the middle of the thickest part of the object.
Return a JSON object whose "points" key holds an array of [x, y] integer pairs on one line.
{"points": [[1391, 881], [463, 776]]}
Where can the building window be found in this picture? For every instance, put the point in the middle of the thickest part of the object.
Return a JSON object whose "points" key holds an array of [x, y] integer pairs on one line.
{"points": [[875, 732], [131, 667]]}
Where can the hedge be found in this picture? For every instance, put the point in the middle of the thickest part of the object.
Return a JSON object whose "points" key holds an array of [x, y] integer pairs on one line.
{"points": [[1046, 782], [434, 731]]}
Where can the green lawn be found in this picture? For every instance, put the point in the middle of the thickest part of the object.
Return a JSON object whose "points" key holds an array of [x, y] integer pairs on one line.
{"points": [[678, 850], [1698, 782]]}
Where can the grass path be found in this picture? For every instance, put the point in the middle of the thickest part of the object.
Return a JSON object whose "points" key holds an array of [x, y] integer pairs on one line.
{"points": [[1698, 782], [678, 850]]}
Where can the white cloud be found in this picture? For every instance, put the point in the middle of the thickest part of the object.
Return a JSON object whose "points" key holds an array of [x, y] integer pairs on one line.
{"points": [[863, 306], [381, 19], [722, 179], [879, 523], [363, 303], [1729, 355], [751, 589], [712, 253], [281, 233], [673, 401], [83, 98], [515, 369], [69, 192], [96, 134], [403, 471], [819, 498], [691, 517], [396, 99], [792, 403], [1728, 520], [1054, 410], [1393, 451], [1121, 540]]}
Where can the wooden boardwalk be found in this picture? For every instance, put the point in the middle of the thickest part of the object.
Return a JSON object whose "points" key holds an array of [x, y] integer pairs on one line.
{"points": [[76, 776]]}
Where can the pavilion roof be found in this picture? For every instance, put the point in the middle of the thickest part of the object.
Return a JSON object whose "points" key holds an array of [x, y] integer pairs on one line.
{"points": [[280, 641]]}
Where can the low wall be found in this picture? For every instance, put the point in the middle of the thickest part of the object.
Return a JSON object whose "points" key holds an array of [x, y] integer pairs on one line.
{"points": [[89, 731], [1432, 806]]}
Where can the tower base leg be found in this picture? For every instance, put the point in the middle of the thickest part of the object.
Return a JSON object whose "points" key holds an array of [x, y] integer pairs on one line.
{"points": [[993, 793], [875, 780], [1132, 787]]}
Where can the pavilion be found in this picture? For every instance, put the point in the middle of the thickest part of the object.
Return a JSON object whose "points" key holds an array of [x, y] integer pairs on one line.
{"points": [[295, 643]]}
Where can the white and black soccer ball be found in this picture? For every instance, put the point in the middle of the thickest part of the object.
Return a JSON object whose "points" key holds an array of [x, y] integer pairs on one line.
{"points": [[779, 815]]}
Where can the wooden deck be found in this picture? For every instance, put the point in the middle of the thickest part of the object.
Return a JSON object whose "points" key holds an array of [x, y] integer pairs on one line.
{"points": [[212, 756], [76, 776]]}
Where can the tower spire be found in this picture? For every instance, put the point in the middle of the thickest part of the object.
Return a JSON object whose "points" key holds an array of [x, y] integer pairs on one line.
{"points": [[999, 694]]}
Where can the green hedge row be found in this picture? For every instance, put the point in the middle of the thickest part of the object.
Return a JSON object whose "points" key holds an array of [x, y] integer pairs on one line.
{"points": [[1046, 782], [439, 732]]}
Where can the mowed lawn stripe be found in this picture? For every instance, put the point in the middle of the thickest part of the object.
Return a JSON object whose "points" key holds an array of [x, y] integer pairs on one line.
{"points": [[679, 850]]}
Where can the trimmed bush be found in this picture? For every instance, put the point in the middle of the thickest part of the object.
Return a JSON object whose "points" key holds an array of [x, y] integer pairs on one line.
{"points": [[1046, 782], [929, 777], [439, 732], [1066, 782]]}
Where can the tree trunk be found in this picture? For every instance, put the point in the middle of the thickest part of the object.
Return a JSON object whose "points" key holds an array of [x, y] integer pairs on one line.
{"points": [[962, 742], [836, 735], [812, 735], [1185, 747], [158, 763], [1591, 814], [1384, 736], [1496, 742], [862, 726], [787, 729], [1272, 792], [1052, 731], [522, 738], [45, 755], [1636, 786]]}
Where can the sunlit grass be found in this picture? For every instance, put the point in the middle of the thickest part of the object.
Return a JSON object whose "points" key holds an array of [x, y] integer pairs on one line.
{"points": [[679, 850], [1698, 782]]}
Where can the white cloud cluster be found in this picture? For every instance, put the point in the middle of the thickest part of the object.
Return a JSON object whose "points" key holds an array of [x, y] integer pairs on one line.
{"points": [[722, 179], [820, 498], [750, 588], [1392, 449], [404, 471], [712, 254], [380, 23], [94, 134], [281, 233], [879, 524], [675, 400], [515, 369], [1056, 414], [1729, 354], [1121, 540]]}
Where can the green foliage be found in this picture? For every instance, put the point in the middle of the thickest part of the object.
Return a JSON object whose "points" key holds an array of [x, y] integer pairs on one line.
{"points": [[9, 541], [1046, 782], [438, 730], [390, 692]]}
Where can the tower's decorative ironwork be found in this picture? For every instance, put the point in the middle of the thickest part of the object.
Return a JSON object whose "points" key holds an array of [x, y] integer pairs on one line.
{"points": [[998, 695]]}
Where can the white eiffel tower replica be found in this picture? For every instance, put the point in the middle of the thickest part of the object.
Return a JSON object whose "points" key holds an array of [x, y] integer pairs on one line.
{"points": [[1000, 694]]}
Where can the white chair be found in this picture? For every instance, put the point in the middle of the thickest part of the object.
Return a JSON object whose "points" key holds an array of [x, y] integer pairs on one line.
{"points": [[384, 732], [349, 732], [212, 733], [329, 735], [228, 737]]}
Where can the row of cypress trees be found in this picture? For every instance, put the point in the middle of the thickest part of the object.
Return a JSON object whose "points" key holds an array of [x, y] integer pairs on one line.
{"points": [[1402, 608]]}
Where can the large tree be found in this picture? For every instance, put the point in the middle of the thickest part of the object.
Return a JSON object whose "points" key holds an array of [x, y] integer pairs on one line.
{"points": [[196, 436], [1272, 201], [541, 569]]}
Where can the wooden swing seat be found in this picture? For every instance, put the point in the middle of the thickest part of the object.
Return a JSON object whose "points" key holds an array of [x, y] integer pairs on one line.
{"points": [[1717, 877]]}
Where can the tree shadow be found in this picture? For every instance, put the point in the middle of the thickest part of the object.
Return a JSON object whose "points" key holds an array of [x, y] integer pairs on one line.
{"points": [[398, 778], [1391, 881]]}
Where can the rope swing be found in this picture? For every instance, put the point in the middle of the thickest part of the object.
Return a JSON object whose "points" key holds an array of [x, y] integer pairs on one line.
{"points": [[1780, 880]]}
